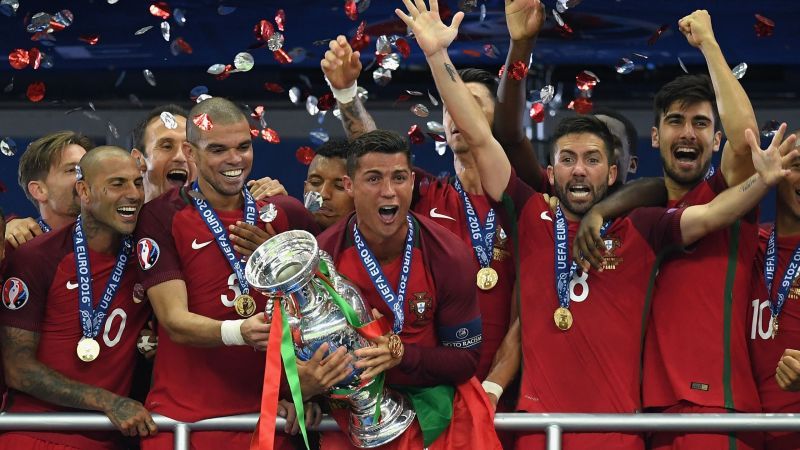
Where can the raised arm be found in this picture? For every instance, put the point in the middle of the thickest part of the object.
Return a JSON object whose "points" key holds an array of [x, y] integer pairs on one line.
{"points": [[25, 373], [734, 202], [434, 37], [341, 66], [735, 111], [524, 19]]}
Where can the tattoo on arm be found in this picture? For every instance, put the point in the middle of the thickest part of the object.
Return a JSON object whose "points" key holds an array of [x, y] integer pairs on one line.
{"points": [[450, 71], [355, 118], [749, 183], [36, 379]]}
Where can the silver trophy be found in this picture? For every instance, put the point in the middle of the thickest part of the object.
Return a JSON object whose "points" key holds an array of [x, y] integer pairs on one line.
{"points": [[286, 268]]}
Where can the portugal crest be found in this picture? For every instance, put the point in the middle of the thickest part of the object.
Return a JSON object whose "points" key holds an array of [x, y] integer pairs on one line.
{"points": [[421, 306]]}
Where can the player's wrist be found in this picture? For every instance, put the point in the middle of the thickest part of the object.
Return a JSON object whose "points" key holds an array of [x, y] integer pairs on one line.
{"points": [[345, 95], [492, 388], [231, 331]]}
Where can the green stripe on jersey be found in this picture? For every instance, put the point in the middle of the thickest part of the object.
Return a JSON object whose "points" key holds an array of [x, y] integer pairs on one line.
{"points": [[730, 278]]}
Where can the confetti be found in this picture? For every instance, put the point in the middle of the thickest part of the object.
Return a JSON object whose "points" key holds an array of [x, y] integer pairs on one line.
{"points": [[160, 9], [639, 55], [483, 12], [537, 112], [149, 77], [581, 105], [9, 87], [586, 81], [274, 88], [624, 66], [275, 42], [165, 30], [546, 94], [351, 10], [326, 102], [142, 30], [436, 137], [270, 136], [739, 70], [91, 39], [39, 22], [467, 5], [224, 10], [179, 16], [441, 149], [282, 57], [268, 213], [683, 66], [362, 5], [179, 46], [770, 128], [35, 91], [657, 34], [280, 19], [360, 40], [382, 76], [19, 58], [169, 120], [473, 53], [764, 27], [113, 130], [243, 61], [391, 61], [311, 105], [318, 136], [383, 46], [263, 30], [295, 95], [403, 47], [61, 20], [311, 199], [490, 50], [216, 69], [9, 8], [435, 127], [203, 122], [416, 135], [420, 110], [304, 155], [8, 147]]}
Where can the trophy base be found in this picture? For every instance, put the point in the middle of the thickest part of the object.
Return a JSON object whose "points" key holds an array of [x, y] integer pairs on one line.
{"points": [[396, 417]]}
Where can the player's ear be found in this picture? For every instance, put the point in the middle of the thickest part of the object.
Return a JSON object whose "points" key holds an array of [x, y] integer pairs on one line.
{"points": [[634, 165], [550, 176], [189, 151], [654, 138], [38, 190], [82, 188], [347, 183], [138, 156]]}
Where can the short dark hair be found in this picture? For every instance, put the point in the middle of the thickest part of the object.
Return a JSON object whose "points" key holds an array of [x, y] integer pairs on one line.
{"points": [[377, 141], [44, 153], [583, 124], [137, 135], [220, 111], [688, 90], [334, 148], [630, 129], [484, 77]]}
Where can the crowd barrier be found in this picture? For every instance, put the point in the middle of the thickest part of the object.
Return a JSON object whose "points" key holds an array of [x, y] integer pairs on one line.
{"points": [[552, 424]]}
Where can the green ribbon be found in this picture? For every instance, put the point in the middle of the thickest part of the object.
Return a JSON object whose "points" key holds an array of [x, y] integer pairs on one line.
{"points": [[434, 408], [290, 366]]}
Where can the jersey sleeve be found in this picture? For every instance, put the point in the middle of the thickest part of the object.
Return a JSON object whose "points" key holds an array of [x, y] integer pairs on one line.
{"points": [[457, 321], [29, 275], [660, 227], [155, 246], [295, 216], [515, 197]]}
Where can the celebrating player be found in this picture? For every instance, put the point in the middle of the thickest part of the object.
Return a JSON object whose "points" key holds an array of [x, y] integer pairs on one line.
{"points": [[325, 174], [424, 284], [69, 322]]}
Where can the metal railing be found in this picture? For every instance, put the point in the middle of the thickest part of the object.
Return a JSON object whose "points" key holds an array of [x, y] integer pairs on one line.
{"points": [[552, 424]]}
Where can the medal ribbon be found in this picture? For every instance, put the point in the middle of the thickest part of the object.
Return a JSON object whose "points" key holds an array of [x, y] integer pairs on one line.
{"points": [[563, 275], [482, 236], [395, 301], [43, 225], [770, 263], [218, 230], [92, 319]]}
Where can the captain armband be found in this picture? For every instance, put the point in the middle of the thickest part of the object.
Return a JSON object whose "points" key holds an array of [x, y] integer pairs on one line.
{"points": [[466, 335]]}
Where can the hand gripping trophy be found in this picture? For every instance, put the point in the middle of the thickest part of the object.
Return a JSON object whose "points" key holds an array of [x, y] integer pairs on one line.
{"points": [[321, 306]]}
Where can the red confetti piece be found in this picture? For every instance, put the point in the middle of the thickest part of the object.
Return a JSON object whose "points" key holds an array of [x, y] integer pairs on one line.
{"points": [[403, 47], [764, 27], [91, 39], [436, 137], [581, 105], [304, 155], [254, 132], [36, 58], [280, 19], [360, 30], [565, 30], [360, 40], [40, 35], [416, 135], [282, 57], [203, 122], [537, 112], [161, 9], [258, 111], [225, 73], [586, 81], [326, 102], [270, 135], [3, 187], [402, 98], [183, 46], [263, 30], [274, 87], [657, 34], [473, 53], [19, 58], [351, 10], [36, 91], [518, 70]]}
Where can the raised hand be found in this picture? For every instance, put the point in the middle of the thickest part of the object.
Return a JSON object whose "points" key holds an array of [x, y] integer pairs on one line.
{"points": [[341, 65], [697, 28], [431, 33], [524, 19], [770, 163]]}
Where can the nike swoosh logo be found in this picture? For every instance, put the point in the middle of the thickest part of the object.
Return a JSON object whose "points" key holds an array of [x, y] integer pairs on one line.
{"points": [[545, 216], [436, 215], [196, 246], [72, 286]]}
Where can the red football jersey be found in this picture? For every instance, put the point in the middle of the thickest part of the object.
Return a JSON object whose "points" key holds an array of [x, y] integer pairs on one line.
{"points": [[41, 295], [594, 367], [696, 346], [173, 241], [441, 202]]}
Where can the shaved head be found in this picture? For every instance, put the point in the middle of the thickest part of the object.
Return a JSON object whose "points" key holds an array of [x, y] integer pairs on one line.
{"points": [[220, 111], [92, 162]]}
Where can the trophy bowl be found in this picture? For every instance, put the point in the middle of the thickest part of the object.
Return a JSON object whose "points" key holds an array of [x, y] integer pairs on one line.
{"points": [[287, 267]]}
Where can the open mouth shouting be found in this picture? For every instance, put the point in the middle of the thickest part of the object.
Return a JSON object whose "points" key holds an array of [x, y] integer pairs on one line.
{"points": [[388, 213], [178, 177], [687, 157], [579, 191]]}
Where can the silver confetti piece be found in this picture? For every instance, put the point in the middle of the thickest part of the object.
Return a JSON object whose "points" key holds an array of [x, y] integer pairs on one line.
{"points": [[275, 42], [311, 105], [113, 130], [142, 30], [165, 30], [420, 110], [382, 76], [294, 95], [268, 213], [624, 66], [433, 99], [149, 77], [168, 120], [216, 69], [391, 61], [243, 61], [683, 66], [435, 127], [8, 147], [312, 201], [739, 71]]}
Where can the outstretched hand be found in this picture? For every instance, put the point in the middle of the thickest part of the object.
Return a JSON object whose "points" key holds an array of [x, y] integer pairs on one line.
{"points": [[431, 33], [770, 163], [524, 19], [341, 65]]}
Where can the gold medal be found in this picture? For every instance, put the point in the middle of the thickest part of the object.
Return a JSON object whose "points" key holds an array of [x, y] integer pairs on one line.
{"points": [[88, 349], [395, 346], [487, 278], [774, 326], [563, 318], [245, 305]]}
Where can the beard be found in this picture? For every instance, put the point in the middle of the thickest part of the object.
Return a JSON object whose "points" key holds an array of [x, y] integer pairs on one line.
{"points": [[597, 193], [683, 178]]}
